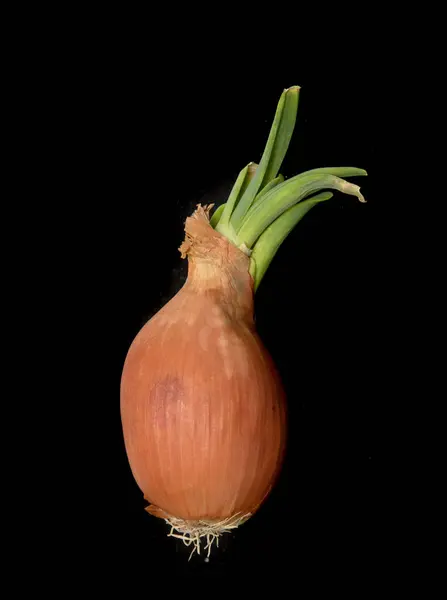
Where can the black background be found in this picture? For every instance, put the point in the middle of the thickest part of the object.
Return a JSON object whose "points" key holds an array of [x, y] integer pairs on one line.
{"points": [[145, 148]]}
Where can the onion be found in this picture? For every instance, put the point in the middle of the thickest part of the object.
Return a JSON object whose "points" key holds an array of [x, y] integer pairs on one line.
{"points": [[202, 406]]}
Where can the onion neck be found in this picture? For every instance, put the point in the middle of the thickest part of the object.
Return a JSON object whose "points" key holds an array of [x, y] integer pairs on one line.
{"points": [[217, 268]]}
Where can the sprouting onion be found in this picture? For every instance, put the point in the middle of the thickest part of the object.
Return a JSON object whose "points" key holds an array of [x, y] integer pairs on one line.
{"points": [[202, 405]]}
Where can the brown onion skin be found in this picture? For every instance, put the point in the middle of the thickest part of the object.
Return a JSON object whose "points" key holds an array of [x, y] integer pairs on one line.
{"points": [[202, 405]]}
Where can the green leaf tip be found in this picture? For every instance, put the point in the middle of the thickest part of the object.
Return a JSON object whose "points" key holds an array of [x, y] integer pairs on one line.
{"points": [[273, 155], [290, 192]]}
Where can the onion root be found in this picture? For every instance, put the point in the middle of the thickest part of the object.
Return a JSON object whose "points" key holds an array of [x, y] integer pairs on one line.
{"points": [[195, 532]]}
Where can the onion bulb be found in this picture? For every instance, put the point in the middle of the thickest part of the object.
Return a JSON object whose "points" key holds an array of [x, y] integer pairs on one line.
{"points": [[203, 409]]}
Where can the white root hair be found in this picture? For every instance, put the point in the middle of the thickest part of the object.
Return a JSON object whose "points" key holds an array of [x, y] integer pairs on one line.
{"points": [[193, 532]]}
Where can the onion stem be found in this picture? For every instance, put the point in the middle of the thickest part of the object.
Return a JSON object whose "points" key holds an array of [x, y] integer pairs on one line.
{"points": [[273, 183], [244, 178], [272, 238], [262, 208], [217, 214]]}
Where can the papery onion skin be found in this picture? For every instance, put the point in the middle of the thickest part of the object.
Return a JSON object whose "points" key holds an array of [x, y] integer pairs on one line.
{"points": [[203, 408]]}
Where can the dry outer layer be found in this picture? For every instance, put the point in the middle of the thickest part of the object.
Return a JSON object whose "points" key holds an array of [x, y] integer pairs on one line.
{"points": [[202, 406]]}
